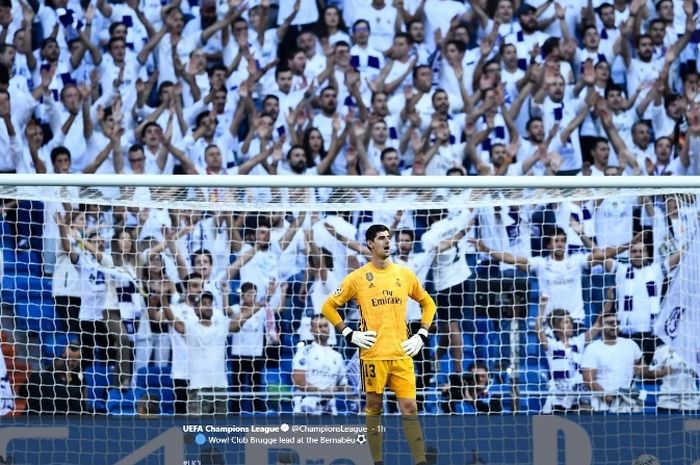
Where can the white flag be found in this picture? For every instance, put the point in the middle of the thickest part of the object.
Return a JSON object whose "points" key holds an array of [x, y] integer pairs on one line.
{"points": [[678, 323]]}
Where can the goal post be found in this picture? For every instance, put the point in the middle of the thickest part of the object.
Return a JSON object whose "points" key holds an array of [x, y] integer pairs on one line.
{"points": [[102, 272]]}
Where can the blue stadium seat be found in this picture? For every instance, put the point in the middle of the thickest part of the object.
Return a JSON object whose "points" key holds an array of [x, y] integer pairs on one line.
{"points": [[123, 401], [154, 376], [35, 317], [54, 343], [25, 262], [25, 288], [98, 379]]}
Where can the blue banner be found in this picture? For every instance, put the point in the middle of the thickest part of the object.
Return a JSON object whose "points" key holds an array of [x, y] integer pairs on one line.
{"points": [[492, 440]]}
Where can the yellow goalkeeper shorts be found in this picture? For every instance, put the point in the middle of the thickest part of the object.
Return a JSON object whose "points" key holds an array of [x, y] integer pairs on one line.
{"points": [[397, 375]]}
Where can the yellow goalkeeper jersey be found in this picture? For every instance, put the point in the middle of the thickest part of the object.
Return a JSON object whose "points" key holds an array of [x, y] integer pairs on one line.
{"points": [[382, 296]]}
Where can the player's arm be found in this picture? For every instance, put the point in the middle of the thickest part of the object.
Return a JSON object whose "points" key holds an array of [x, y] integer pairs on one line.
{"points": [[342, 295], [428, 308]]}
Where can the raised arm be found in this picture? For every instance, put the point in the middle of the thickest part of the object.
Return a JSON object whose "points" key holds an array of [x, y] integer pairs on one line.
{"points": [[540, 320], [100, 158], [521, 262], [151, 45], [66, 244]]}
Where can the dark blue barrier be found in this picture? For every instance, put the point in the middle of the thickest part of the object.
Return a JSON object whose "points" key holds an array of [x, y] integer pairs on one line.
{"points": [[452, 440]]}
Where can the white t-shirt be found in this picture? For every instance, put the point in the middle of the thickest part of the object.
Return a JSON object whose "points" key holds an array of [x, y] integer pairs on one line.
{"points": [[382, 25], [561, 280], [263, 267], [93, 285], [319, 292], [451, 268], [681, 379], [420, 264], [250, 340], [180, 355], [505, 230], [206, 347], [324, 368], [613, 221], [614, 365]]}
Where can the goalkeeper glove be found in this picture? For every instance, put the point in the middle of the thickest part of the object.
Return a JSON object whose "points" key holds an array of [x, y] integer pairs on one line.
{"points": [[415, 343], [361, 339]]}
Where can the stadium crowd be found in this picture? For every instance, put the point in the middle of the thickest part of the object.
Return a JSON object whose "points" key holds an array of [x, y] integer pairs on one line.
{"points": [[218, 300]]}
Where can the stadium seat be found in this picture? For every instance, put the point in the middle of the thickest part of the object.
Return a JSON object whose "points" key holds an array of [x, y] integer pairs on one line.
{"points": [[26, 288], [123, 401], [54, 343], [154, 376], [98, 379], [35, 317]]}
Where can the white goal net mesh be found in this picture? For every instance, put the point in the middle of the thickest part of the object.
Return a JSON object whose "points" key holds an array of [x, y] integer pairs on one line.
{"points": [[557, 299]]}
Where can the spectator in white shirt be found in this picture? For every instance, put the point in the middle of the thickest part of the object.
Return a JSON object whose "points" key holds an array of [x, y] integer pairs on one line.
{"points": [[564, 351], [206, 333], [639, 285], [318, 371], [559, 274], [679, 388], [609, 366]]}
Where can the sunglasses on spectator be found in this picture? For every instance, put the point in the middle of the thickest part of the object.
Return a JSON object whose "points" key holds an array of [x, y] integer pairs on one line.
{"points": [[135, 160]]}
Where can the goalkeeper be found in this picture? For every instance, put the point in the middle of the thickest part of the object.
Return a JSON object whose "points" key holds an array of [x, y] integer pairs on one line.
{"points": [[381, 289]]}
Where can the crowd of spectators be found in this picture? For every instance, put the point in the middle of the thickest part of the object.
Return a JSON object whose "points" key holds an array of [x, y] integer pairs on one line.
{"points": [[351, 87]]}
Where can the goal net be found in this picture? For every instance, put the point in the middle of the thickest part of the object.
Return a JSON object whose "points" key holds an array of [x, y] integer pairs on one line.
{"points": [[201, 296]]}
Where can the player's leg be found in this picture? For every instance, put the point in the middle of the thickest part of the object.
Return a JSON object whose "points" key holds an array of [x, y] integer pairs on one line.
{"points": [[375, 436], [402, 381], [374, 375]]}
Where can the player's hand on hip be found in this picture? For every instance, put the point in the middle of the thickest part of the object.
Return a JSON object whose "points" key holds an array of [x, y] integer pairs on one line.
{"points": [[361, 339], [415, 343]]}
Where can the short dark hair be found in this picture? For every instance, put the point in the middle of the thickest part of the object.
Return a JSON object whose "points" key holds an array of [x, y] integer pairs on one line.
{"points": [[295, 146], [115, 25], [200, 117], [192, 276], [417, 68], [357, 23], [247, 286], [406, 231], [216, 67], [270, 97], [534, 119], [61, 150], [136, 148], [404, 35], [598, 140], [670, 141], [373, 230], [386, 150], [204, 252], [148, 125], [460, 45], [376, 94], [614, 88], [554, 231], [282, 68], [113, 40]]}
